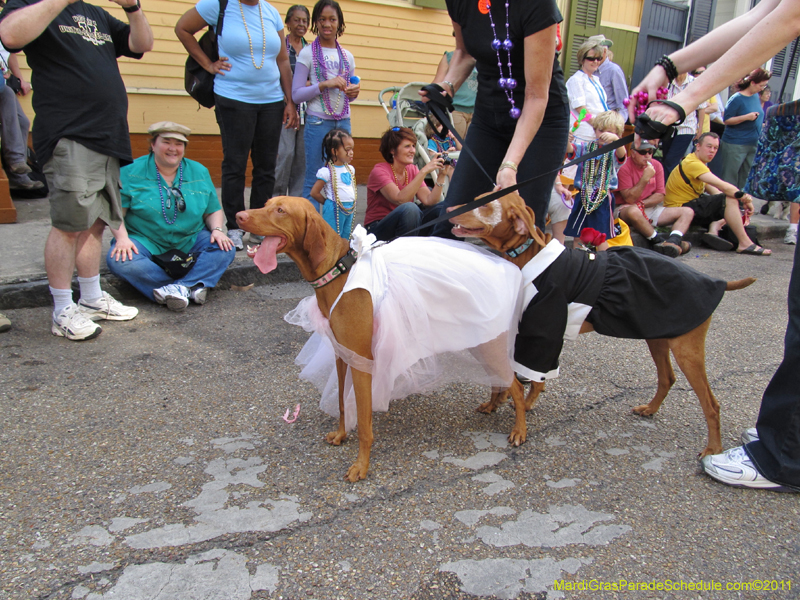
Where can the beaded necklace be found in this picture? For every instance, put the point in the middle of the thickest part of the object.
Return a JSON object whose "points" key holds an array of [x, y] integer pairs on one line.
{"points": [[339, 205], [165, 206], [322, 75], [250, 41], [596, 175], [405, 177], [507, 84]]}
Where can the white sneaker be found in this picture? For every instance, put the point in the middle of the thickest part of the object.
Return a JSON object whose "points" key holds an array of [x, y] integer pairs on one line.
{"points": [[175, 296], [790, 237], [735, 468], [236, 238], [198, 295], [106, 307], [749, 435], [72, 324]]}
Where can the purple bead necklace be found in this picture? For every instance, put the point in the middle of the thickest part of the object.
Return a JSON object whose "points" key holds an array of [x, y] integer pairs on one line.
{"points": [[506, 83], [322, 75]]}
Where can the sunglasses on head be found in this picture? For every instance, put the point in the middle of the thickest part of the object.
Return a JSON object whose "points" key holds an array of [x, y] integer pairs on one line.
{"points": [[594, 58], [644, 152], [396, 128]]}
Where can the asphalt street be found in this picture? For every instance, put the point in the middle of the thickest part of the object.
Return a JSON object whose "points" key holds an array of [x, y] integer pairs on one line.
{"points": [[155, 463]]}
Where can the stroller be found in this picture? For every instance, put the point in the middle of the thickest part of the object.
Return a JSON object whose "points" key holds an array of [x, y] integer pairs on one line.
{"points": [[407, 110]]}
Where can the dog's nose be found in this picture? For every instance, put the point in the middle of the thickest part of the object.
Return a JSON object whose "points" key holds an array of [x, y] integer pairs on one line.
{"points": [[241, 217]]}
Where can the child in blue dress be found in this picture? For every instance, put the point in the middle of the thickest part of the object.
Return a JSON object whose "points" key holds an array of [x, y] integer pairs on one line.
{"points": [[335, 187], [594, 203]]}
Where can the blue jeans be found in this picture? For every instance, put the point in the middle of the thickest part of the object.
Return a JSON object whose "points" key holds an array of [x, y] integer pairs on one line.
{"points": [[673, 151], [777, 452], [489, 136], [145, 275], [404, 218], [247, 130], [313, 133]]}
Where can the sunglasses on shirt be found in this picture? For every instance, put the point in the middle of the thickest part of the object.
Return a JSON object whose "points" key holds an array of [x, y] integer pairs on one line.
{"points": [[179, 201]]}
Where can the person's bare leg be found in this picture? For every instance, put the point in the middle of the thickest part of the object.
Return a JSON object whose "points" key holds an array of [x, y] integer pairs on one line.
{"points": [[734, 219], [88, 250], [714, 227], [680, 218], [60, 250], [637, 221], [558, 230]]}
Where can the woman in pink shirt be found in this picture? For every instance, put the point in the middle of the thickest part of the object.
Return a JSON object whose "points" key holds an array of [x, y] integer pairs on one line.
{"points": [[395, 187]]}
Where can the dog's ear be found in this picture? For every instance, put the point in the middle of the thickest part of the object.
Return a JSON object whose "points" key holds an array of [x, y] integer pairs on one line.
{"points": [[524, 221], [539, 237], [518, 221], [314, 240]]}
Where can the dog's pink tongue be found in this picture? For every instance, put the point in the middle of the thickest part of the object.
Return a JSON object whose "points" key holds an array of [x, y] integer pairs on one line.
{"points": [[266, 257]]}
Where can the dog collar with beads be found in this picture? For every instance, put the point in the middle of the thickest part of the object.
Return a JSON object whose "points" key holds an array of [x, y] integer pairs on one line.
{"points": [[520, 249], [342, 265]]}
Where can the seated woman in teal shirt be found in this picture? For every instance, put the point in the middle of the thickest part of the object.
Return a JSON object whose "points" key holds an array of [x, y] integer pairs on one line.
{"points": [[171, 246]]}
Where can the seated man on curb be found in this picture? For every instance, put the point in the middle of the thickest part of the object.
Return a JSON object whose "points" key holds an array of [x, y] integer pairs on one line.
{"points": [[641, 197], [693, 185]]}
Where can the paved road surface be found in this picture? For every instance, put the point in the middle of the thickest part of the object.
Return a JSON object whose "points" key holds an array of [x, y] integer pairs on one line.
{"points": [[154, 463]]}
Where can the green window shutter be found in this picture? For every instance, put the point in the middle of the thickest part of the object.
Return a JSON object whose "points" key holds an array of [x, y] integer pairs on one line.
{"points": [[431, 4], [583, 22]]}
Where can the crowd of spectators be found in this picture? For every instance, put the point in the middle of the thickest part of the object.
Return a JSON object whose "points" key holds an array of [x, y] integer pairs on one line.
{"points": [[278, 96]]}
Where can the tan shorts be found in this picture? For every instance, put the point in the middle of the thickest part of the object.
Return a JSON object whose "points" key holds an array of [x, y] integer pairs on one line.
{"points": [[557, 210], [84, 187], [461, 122]]}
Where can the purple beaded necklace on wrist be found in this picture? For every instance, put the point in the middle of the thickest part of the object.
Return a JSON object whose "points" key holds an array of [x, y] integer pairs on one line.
{"points": [[506, 83], [322, 75]]}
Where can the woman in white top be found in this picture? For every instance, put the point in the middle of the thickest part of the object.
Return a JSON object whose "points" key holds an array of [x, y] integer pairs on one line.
{"points": [[585, 90]]}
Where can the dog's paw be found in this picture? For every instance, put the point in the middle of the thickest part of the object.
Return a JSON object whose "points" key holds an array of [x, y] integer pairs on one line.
{"points": [[487, 407], [336, 437], [644, 410], [356, 472], [518, 436], [710, 451]]}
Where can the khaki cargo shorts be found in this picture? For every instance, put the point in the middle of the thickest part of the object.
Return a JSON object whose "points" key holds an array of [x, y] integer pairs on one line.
{"points": [[84, 187]]}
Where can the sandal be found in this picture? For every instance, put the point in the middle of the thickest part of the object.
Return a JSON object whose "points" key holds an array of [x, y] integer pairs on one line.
{"points": [[756, 250], [716, 242]]}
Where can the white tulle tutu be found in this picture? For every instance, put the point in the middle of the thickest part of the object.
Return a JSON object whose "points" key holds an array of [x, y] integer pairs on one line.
{"points": [[444, 311]]}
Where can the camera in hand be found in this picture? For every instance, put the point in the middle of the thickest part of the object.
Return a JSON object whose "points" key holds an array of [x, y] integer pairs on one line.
{"points": [[446, 158]]}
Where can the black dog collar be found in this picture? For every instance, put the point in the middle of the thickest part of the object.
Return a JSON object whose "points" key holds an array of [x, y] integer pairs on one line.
{"points": [[341, 267]]}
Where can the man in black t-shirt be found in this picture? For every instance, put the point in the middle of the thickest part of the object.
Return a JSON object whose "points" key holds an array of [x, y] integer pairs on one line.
{"points": [[80, 134]]}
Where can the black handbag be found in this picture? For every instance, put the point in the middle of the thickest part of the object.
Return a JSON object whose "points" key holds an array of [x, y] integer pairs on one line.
{"points": [[14, 83], [177, 264], [198, 82], [12, 80]]}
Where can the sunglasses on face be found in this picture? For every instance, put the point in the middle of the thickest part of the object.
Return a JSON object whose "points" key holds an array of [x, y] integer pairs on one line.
{"points": [[594, 58], [644, 152]]}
